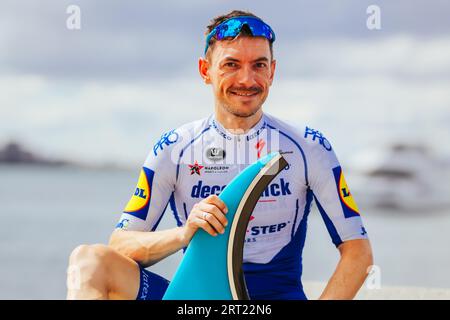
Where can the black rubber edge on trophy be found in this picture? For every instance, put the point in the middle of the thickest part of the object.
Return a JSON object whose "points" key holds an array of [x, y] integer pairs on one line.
{"points": [[241, 230]]}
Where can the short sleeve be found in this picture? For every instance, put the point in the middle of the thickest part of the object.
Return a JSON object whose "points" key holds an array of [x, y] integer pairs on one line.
{"points": [[154, 188], [331, 192]]}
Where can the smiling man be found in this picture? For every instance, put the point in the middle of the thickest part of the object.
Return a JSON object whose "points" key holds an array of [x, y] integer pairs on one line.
{"points": [[189, 166]]}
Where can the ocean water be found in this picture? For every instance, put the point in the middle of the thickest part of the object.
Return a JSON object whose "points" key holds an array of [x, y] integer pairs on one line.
{"points": [[46, 212]]}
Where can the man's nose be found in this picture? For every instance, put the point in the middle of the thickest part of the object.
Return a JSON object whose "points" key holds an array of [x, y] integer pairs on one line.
{"points": [[246, 76]]}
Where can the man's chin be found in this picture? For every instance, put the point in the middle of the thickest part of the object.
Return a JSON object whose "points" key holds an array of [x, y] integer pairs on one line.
{"points": [[242, 111], [243, 115]]}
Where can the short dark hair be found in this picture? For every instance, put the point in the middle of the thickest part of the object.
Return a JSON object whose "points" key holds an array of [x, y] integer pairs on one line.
{"points": [[245, 30]]}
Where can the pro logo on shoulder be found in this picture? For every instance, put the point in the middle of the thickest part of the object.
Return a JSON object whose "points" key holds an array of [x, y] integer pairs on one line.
{"points": [[348, 203], [166, 140], [140, 201]]}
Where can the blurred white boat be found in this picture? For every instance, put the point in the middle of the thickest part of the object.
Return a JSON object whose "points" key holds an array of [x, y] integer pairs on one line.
{"points": [[404, 177]]}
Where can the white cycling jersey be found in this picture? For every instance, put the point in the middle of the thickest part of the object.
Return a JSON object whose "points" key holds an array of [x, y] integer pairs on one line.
{"points": [[198, 159]]}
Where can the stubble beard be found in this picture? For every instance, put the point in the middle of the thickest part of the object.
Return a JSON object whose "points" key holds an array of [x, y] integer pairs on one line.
{"points": [[238, 112]]}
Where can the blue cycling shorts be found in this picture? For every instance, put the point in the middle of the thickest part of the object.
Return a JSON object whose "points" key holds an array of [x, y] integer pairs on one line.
{"points": [[152, 286]]}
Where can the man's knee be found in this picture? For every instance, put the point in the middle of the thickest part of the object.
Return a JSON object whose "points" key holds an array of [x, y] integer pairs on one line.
{"points": [[90, 257], [88, 273]]}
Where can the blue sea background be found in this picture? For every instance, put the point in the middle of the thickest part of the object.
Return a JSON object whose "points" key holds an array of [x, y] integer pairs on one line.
{"points": [[46, 212]]}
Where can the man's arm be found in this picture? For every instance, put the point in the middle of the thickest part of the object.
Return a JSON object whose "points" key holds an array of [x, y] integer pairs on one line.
{"points": [[341, 216], [351, 271], [147, 248]]}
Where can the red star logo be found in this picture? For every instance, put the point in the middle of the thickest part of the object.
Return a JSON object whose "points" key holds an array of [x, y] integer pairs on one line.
{"points": [[195, 168]]}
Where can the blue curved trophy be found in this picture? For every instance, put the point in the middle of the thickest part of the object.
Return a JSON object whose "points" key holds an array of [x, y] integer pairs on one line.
{"points": [[211, 268]]}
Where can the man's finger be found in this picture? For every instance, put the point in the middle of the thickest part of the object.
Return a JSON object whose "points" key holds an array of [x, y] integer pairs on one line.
{"points": [[205, 225], [214, 222], [214, 210], [213, 199]]}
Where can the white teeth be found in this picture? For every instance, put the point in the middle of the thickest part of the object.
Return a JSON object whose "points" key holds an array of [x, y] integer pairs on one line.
{"points": [[244, 94]]}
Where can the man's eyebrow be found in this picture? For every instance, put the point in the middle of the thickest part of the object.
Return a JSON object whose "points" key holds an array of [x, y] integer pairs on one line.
{"points": [[260, 59], [230, 59]]}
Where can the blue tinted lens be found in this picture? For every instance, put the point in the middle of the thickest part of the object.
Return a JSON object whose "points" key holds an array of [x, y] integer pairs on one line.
{"points": [[231, 28], [259, 28]]}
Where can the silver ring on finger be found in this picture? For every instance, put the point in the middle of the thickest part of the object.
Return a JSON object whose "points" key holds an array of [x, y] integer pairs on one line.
{"points": [[205, 215]]}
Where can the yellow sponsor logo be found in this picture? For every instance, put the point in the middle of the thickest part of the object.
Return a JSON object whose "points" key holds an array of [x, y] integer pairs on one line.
{"points": [[345, 195], [141, 195]]}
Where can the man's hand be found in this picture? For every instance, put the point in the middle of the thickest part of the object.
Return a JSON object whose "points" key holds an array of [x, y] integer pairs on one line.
{"points": [[209, 215]]}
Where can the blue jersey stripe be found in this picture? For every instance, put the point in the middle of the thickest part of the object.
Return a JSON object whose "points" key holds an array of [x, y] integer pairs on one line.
{"points": [[185, 210], [304, 222], [329, 224], [160, 217], [298, 146], [295, 219], [173, 206]]}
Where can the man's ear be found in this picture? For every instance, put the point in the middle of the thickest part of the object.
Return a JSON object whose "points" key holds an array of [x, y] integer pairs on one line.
{"points": [[203, 68]]}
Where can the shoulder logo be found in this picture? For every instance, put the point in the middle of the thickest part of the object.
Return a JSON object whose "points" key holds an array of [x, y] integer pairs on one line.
{"points": [[166, 140], [123, 224], [363, 231], [140, 200], [315, 134], [347, 201]]}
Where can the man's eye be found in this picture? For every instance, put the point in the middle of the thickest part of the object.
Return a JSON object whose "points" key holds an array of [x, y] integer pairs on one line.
{"points": [[261, 65], [230, 64]]}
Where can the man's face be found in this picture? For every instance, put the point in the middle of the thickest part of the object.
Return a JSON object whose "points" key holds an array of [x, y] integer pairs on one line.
{"points": [[241, 71]]}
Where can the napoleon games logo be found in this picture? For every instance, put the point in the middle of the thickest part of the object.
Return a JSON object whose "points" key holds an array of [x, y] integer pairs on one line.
{"points": [[195, 168], [216, 169]]}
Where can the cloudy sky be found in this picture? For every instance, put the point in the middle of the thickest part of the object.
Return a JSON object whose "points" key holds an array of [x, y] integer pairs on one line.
{"points": [[107, 91]]}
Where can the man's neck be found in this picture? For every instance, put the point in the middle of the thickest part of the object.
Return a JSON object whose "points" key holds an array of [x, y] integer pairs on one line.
{"points": [[235, 123]]}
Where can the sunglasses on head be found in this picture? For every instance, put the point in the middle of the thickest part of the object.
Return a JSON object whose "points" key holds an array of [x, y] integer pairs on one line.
{"points": [[233, 26]]}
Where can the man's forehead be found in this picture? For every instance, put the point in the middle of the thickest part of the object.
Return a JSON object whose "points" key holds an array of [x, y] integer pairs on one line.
{"points": [[242, 48]]}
